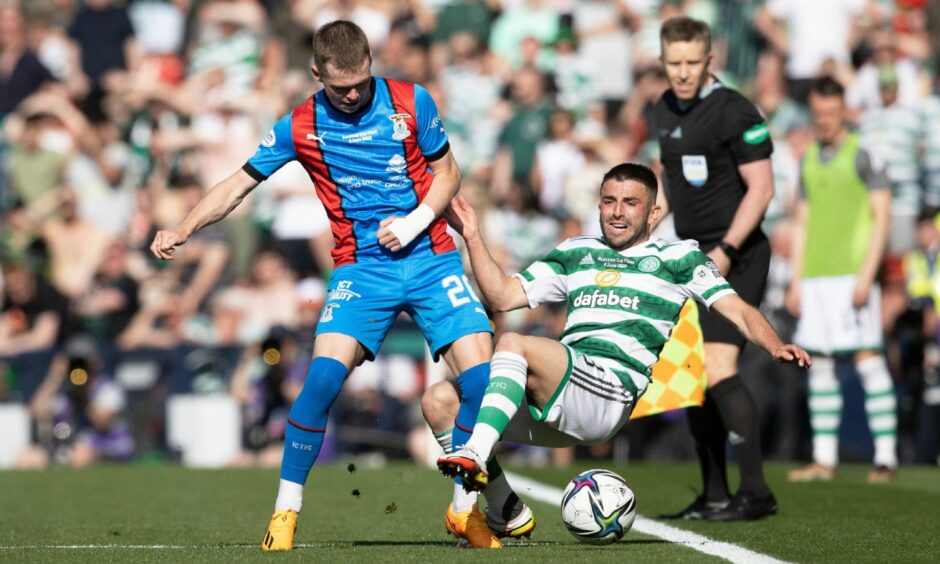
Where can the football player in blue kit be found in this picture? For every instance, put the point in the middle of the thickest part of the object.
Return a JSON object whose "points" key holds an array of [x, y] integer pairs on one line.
{"points": [[381, 164]]}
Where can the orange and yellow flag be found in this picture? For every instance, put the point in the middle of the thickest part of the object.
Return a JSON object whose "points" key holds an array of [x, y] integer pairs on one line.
{"points": [[679, 375]]}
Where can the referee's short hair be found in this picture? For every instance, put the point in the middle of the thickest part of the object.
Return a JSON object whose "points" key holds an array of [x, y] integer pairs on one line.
{"points": [[826, 86], [342, 44], [635, 172], [684, 28]]}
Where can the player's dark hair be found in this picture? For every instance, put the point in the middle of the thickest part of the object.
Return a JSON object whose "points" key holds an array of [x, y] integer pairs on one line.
{"points": [[342, 44], [684, 28], [635, 172], [827, 86]]}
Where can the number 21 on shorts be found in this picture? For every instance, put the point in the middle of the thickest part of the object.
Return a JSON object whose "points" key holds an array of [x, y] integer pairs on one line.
{"points": [[459, 290]]}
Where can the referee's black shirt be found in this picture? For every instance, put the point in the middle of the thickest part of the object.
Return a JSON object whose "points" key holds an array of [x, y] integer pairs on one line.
{"points": [[702, 143]]}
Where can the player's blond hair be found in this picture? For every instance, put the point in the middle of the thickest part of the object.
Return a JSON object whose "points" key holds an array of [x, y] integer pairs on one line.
{"points": [[342, 44]]}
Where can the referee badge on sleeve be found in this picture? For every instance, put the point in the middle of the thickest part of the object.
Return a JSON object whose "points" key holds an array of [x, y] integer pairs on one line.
{"points": [[695, 169]]}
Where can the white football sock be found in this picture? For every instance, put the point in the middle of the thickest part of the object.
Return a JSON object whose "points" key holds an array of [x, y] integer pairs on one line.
{"points": [[881, 408], [445, 439], [290, 495], [825, 411], [464, 500], [504, 394]]}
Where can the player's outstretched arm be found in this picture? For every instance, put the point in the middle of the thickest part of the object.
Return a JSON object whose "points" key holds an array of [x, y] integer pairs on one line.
{"points": [[215, 205], [501, 292], [755, 327], [397, 232]]}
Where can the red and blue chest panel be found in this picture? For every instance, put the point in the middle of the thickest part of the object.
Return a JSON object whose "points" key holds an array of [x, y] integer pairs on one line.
{"points": [[365, 166]]}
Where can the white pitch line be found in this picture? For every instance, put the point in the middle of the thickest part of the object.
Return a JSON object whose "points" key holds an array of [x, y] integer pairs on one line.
{"points": [[695, 541]]}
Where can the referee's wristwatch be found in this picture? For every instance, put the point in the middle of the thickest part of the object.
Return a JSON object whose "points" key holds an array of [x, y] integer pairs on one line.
{"points": [[730, 251]]}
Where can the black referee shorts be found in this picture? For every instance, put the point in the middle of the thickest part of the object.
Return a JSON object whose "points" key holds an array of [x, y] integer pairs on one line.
{"points": [[748, 277]]}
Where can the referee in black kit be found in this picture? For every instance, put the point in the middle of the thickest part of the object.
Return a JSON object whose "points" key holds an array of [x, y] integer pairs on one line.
{"points": [[716, 150]]}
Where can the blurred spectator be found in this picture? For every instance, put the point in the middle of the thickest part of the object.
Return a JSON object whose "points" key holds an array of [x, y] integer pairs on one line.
{"points": [[648, 20], [517, 232], [572, 74], [375, 23], [865, 90], [266, 382], [76, 248], [58, 53], [783, 113], [34, 316], [471, 89], [79, 412], [527, 18], [227, 55], [468, 16], [603, 31], [159, 27], [111, 301], [155, 324], [198, 270], [810, 34], [220, 137], [923, 291], [933, 33], [300, 227], [637, 113], [556, 158], [893, 132], [909, 21], [373, 407], [930, 118], [737, 37], [244, 314], [521, 134], [105, 37], [35, 169], [18, 237], [21, 72]]}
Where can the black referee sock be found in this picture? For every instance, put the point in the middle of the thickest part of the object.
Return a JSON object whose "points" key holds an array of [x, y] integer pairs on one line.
{"points": [[709, 434], [739, 415]]}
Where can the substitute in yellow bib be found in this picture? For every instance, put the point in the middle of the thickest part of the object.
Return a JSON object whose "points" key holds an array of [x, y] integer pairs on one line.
{"points": [[841, 231]]}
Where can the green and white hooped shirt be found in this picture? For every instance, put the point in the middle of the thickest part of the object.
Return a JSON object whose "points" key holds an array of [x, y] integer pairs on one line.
{"points": [[622, 305]]}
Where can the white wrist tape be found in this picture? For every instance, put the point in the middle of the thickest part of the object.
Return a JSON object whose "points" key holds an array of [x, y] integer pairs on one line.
{"points": [[408, 227]]}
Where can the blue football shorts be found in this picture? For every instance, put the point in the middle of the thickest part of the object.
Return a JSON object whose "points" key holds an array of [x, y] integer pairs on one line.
{"points": [[364, 299]]}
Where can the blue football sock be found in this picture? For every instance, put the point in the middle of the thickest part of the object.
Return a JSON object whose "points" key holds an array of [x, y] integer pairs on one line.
{"points": [[306, 422], [472, 385]]}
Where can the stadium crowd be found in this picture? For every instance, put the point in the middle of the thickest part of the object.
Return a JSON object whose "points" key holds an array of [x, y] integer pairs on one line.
{"points": [[117, 116]]}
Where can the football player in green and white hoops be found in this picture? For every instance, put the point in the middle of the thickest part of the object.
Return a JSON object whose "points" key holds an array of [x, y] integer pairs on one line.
{"points": [[623, 293]]}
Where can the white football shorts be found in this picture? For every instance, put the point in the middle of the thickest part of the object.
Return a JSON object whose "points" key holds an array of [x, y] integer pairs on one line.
{"points": [[590, 406], [830, 325]]}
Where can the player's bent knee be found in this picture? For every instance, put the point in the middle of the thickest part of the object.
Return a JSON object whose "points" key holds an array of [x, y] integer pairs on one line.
{"points": [[440, 404], [511, 342]]}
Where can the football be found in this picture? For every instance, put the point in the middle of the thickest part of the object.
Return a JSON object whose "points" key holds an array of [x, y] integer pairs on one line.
{"points": [[598, 507]]}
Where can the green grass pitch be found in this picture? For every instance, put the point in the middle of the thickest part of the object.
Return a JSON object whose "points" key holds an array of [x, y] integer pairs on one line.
{"points": [[119, 514]]}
